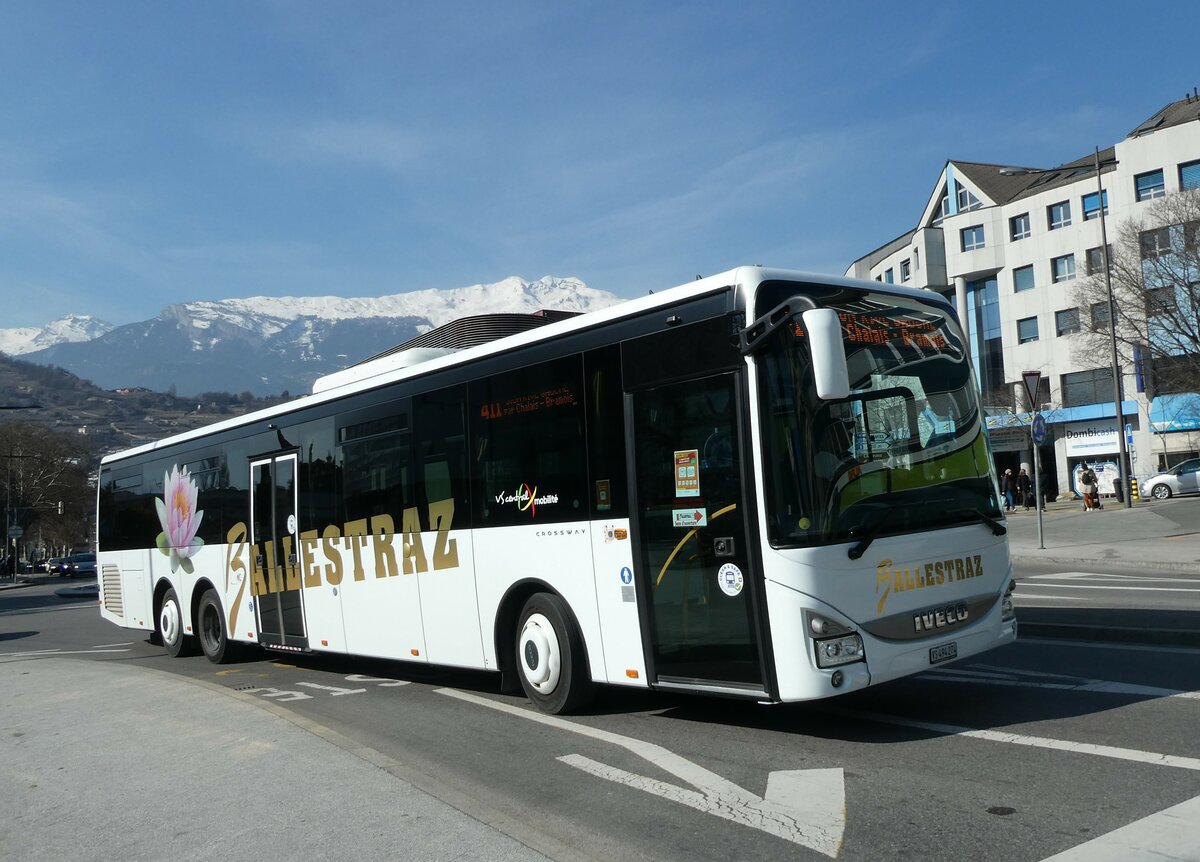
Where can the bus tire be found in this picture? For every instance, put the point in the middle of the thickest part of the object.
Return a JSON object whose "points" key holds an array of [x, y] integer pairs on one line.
{"points": [[551, 659], [170, 625], [211, 631]]}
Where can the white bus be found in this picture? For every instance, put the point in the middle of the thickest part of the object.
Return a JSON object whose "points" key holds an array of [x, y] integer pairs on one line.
{"points": [[762, 484]]}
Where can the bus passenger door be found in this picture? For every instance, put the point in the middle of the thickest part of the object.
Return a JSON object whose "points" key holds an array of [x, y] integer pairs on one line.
{"points": [[274, 558], [696, 572]]}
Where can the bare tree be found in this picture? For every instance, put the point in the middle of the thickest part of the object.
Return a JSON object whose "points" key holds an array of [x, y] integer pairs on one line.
{"points": [[1155, 267], [38, 470]]}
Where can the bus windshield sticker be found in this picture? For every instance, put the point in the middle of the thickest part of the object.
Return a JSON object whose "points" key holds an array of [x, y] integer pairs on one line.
{"points": [[687, 473], [694, 517], [729, 579]]}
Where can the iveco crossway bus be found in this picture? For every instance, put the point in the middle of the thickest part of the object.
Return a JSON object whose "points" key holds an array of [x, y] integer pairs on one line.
{"points": [[761, 484]]}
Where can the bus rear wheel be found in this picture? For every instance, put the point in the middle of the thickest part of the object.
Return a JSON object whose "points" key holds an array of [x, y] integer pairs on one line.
{"points": [[210, 627], [170, 625], [551, 659]]}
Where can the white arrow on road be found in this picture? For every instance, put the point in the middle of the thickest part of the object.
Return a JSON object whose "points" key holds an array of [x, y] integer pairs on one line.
{"points": [[804, 806]]}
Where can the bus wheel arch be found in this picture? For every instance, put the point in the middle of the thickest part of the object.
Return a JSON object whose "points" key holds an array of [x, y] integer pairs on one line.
{"points": [[549, 656]]}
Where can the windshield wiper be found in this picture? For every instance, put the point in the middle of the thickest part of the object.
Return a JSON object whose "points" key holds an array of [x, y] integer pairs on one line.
{"points": [[871, 533], [979, 516]]}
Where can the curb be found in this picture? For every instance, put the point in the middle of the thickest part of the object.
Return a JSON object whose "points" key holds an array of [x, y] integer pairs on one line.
{"points": [[1028, 559]]}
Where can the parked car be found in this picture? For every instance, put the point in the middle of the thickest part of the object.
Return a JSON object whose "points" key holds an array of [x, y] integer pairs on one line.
{"points": [[1183, 478], [79, 566]]}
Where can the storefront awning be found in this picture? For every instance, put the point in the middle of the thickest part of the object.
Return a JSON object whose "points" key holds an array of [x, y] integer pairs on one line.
{"points": [[1175, 413]]}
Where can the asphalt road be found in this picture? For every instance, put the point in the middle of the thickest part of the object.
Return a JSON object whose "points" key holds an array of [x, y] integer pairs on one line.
{"points": [[1021, 754]]}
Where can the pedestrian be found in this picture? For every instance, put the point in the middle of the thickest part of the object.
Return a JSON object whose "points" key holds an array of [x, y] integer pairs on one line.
{"points": [[1043, 487], [1024, 488], [1087, 487], [1008, 487]]}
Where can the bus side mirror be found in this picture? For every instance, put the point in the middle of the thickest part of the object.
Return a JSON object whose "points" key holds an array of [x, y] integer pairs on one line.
{"points": [[824, 330]]}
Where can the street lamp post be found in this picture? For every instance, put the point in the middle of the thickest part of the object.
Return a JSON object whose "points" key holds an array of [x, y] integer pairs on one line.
{"points": [[1118, 388]]}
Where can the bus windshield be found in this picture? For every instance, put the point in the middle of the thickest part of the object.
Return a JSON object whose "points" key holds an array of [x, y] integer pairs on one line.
{"points": [[904, 452]]}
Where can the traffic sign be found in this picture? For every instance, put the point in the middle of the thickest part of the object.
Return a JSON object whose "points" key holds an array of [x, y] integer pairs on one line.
{"points": [[15, 532], [1032, 380], [1039, 429]]}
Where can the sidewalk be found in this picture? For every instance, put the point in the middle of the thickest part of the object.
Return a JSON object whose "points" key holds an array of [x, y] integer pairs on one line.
{"points": [[1138, 537], [107, 761]]}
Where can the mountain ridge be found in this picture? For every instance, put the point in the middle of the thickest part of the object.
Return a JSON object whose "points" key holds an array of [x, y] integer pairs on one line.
{"points": [[269, 345]]}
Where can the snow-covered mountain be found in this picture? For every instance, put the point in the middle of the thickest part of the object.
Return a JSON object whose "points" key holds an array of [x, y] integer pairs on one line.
{"points": [[266, 345], [73, 327]]}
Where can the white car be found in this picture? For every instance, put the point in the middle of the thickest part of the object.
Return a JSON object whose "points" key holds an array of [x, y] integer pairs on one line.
{"points": [[1183, 478]]}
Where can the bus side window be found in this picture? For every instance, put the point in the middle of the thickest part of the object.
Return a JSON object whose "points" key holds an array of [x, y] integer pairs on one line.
{"points": [[439, 429]]}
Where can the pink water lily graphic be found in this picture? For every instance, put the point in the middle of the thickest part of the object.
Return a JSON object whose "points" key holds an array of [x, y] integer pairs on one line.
{"points": [[180, 519]]}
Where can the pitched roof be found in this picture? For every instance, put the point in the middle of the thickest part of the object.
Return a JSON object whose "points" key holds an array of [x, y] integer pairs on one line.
{"points": [[1174, 114]]}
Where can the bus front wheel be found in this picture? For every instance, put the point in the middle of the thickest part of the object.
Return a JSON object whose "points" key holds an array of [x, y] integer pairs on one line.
{"points": [[170, 625], [551, 658]]}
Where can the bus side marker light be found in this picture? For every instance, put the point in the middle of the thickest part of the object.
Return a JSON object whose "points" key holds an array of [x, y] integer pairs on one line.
{"points": [[631, 673], [415, 651], [324, 642]]}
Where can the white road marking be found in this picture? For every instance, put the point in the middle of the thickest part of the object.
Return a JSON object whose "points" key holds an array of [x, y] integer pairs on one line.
{"points": [[1100, 587], [1150, 757], [1070, 683], [51, 653], [338, 691], [804, 806], [1171, 834], [106, 646], [383, 683], [282, 695]]}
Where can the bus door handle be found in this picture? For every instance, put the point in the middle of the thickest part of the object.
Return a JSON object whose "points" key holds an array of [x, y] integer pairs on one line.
{"points": [[724, 546]]}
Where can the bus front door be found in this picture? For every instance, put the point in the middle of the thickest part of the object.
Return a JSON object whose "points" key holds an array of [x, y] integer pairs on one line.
{"points": [[697, 581], [275, 566]]}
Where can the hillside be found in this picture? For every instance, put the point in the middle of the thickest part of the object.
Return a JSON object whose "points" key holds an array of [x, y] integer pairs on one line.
{"points": [[111, 420]]}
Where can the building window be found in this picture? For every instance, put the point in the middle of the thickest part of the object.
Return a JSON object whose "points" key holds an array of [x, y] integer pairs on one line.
{"points": [[1058, 215], [1189, 176], [1062, 268], [1087, 387], [1066, 321], [1027, 330], [1023, 278], [1150, 185], [1161, 300], [1018, 226], [1156, 243], [905, 270], [888, 277], [967, 201], [1099, 315], [972, 237], [1095, 260], [1091, 205]]}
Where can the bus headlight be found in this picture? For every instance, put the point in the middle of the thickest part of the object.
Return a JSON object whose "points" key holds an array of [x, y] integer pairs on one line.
{"points": [[1007, 610], [840, 650]]}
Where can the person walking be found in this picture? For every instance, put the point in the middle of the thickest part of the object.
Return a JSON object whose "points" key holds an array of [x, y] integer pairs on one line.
{"points": [[1087, 487], [1024, 488], [1008, 487]]}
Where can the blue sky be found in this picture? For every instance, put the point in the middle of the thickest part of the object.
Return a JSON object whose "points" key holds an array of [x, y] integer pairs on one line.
{"points": [[161, 152]]}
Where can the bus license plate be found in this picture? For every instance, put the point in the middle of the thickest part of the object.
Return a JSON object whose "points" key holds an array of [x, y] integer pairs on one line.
{"points": [[945, 652]]}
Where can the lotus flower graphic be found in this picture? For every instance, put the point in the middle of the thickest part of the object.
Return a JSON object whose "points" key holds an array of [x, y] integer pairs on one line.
{"points": [[180, 519]]}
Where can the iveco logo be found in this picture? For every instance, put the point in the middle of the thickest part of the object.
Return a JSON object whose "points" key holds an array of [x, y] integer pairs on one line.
{"points": [[939, 618]]}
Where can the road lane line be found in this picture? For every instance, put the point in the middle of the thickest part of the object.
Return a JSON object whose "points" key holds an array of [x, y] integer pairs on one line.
{"points": [[1091, 587], [1148, 757], [804, 806], [1170, 834]]}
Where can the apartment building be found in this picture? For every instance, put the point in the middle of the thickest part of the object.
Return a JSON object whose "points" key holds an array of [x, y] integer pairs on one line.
{"points": [[1006, 244]]}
